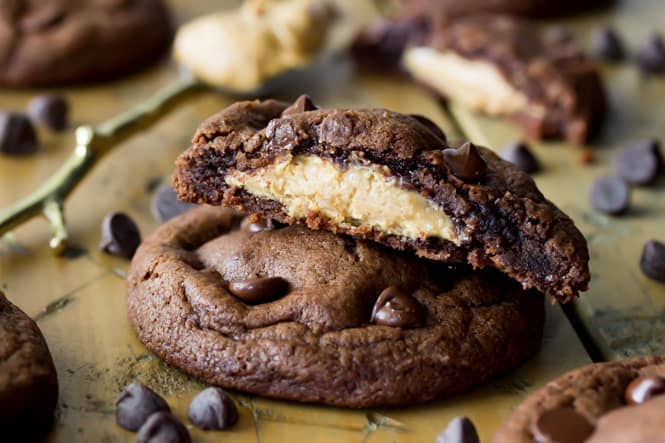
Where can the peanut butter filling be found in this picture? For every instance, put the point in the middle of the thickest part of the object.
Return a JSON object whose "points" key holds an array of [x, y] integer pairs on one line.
{"points": [[357, 195]]}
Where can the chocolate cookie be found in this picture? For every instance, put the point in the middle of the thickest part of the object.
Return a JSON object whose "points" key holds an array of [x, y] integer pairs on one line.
{"points": [[525, 8], [56, 42], [435, 331], [389, 177], [603, 402], [508, 67], [28, 382]]}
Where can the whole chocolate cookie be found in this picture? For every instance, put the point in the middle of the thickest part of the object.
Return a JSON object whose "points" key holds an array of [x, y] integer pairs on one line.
{"points": [[612, 402], [434, 332], [55, 42], [28, 382], [525, 8]]}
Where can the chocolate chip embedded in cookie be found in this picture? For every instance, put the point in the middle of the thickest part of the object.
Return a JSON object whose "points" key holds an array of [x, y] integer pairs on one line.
{"points": [[389, 177], [507, 67], [317, 342], [600, 403], [28, 382]]}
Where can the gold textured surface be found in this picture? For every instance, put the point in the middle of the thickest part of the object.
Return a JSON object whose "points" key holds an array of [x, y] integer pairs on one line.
{"points": [[79, 302]]}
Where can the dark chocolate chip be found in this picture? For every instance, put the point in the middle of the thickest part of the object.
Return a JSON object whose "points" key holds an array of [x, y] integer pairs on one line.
{"points": [[459, 430], [120, 235], [162, 427], [395, 308], [643, 389], [212, 409], [606, 45], [465, 162], [561, 425], [165, 204], [640, 164], [17, 135], [652, 260], [610, 195], [38, 18], [254, 223], [50, 111], [135, 404], [520, 155], [431, 126], [258, 290], [302, 104], [651, 55]]}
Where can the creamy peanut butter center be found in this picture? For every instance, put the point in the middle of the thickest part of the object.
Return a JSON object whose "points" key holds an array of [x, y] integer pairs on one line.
{"points": [[357, 195], [476, 84]]}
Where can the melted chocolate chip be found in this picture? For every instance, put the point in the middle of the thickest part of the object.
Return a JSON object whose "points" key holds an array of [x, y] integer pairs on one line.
{"points": [[135, 404], [162, 427], [302, 104], [465, 162], [259, 290], [644, 388], [431, 126], [17, 135], [640, 164], [520, 155], [561, 425], [610, 195], [651, 55], [606, 45], [50, 111], [212, 409], [459, 430], [652, 260], [395, 308], [253, 223], [120, 235]]}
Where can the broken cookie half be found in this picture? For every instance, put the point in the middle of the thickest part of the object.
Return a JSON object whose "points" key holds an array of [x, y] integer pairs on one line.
{"points": [[385, 176], [508, 67]]}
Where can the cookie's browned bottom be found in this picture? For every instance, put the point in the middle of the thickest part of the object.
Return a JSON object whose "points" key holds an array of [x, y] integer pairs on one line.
{"points": [[316, 344]]}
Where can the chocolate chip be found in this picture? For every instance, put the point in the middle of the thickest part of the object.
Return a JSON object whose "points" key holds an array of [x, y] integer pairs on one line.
{"points": [[50, 111], [17, 135], [120, 235], [644, 388], [459, 430], [165, 204], [465, 162], [258, 290], [212, 409], [254, 223], [395, 308], [302, 104], [431, 126], [162, 427], [135, 404], [520, 155], [640, 164], [610, 195], [561, 425], [651, 55], [652, 260], [606, 45]]}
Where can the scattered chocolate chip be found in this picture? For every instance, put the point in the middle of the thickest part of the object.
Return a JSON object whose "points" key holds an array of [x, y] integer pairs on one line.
{"points": [[120, 235], [50, 111], [610, 195], [254, 223], [644, 388], [430, 125], [465, 162], [73, 252], [558, 34], [561, 425], [459, 430], [640, 164], [520, 155], [135, 404], [212, 409], [652, 261], [162, 427], [651, 55], [17, 135], [165, 204], [395, 308], [258, 290], [302, 104], [606, 45]]}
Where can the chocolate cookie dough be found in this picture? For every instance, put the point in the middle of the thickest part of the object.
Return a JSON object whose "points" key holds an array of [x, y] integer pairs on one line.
{"points": [[603, 402], [316, 343], [28, 382], [508, 67], [389, 177], [56, 42]]}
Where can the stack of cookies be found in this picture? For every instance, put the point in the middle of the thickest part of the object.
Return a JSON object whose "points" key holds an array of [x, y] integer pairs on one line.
{"points": [[379, 264]]}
